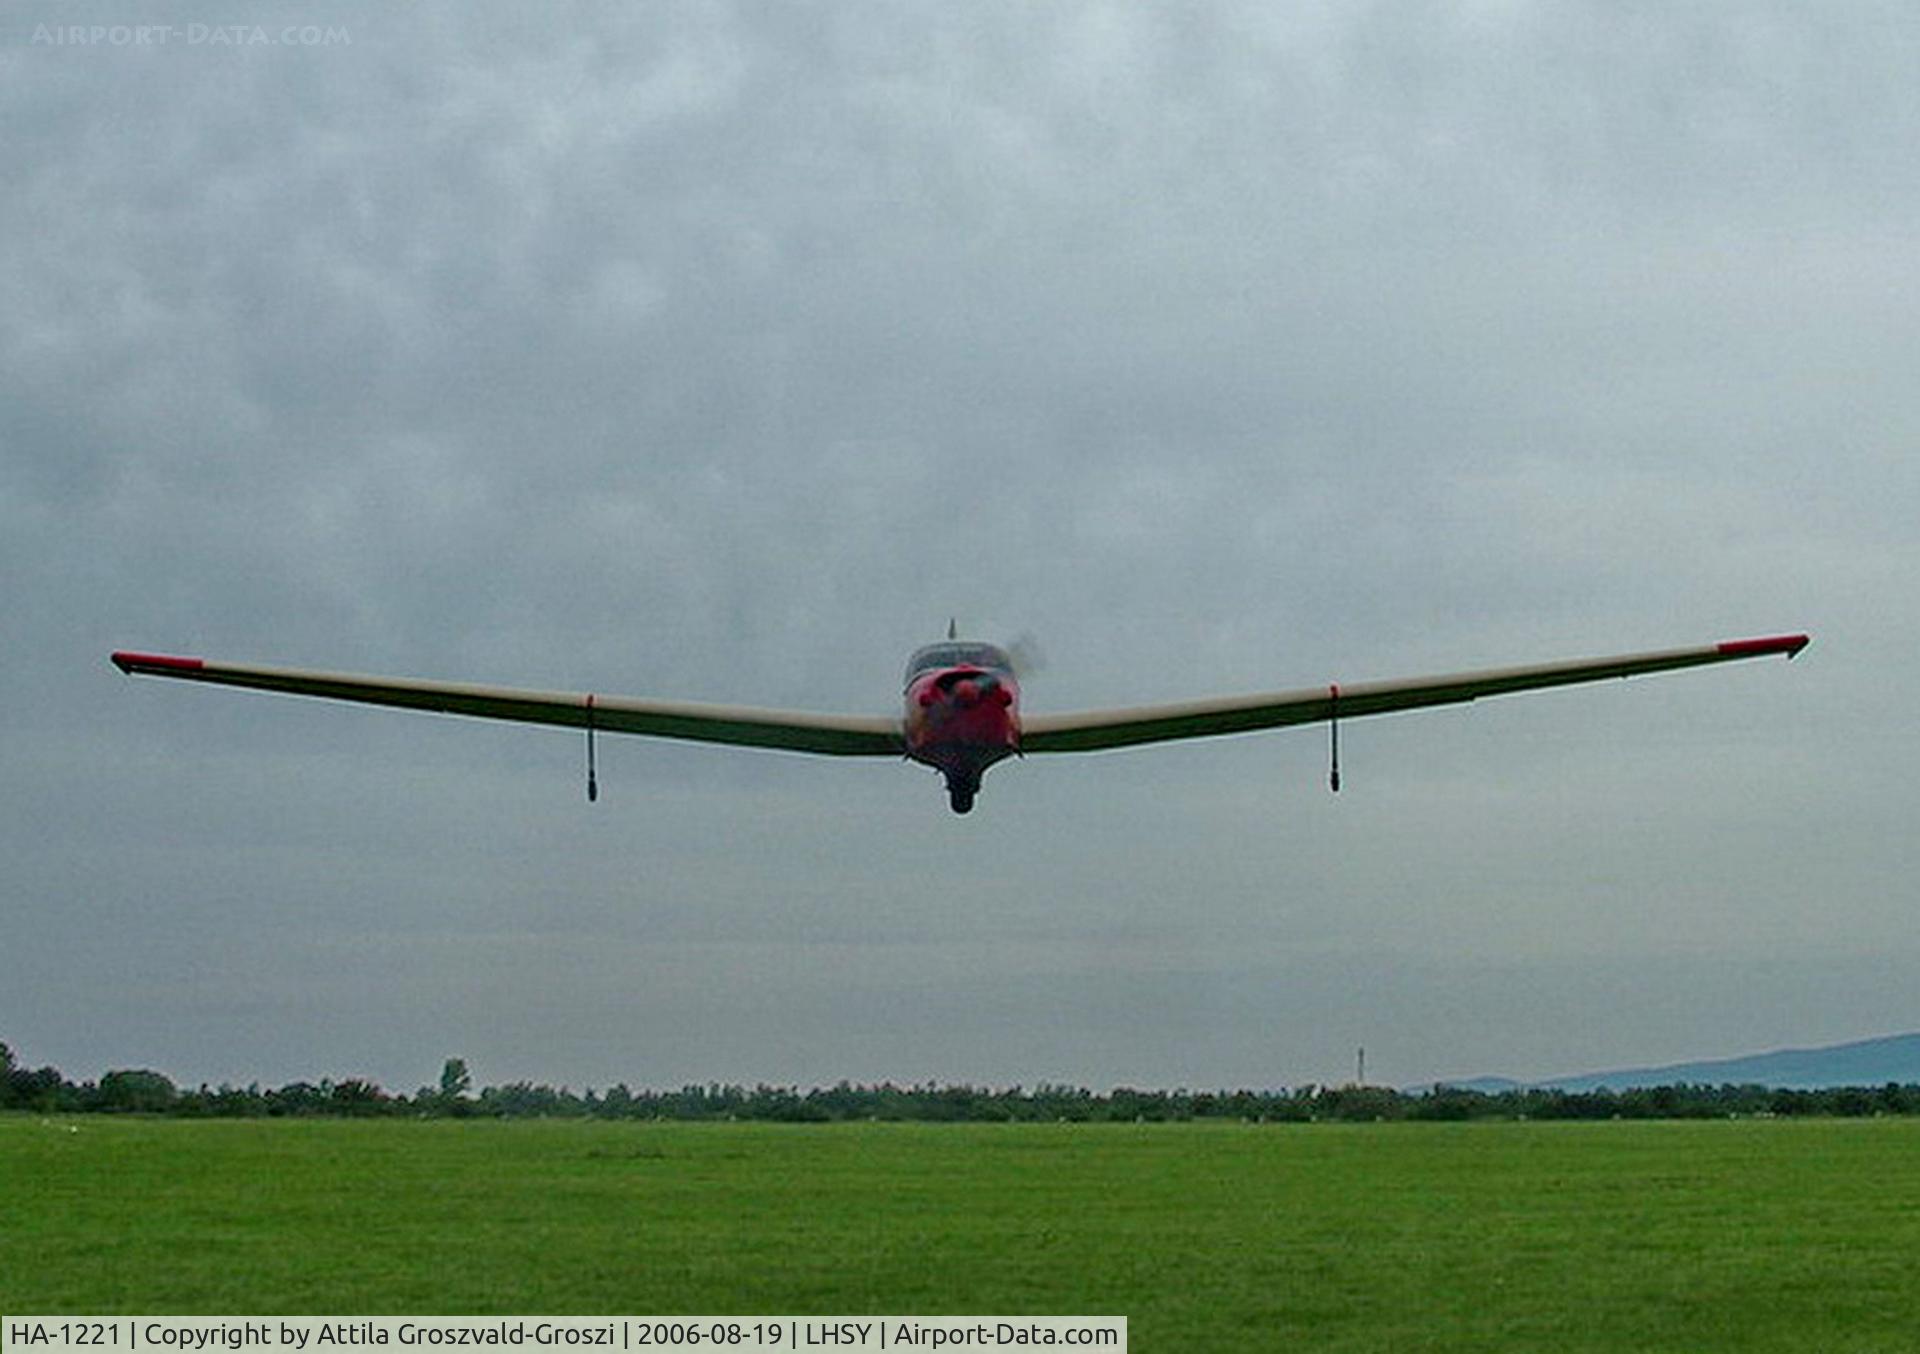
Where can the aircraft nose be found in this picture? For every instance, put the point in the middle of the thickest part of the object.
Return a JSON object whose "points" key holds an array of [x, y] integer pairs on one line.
{"points": [[985, 688], [967, 689]]}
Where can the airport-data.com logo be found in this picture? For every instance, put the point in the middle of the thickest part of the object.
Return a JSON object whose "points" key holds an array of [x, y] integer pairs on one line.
{"points": [[191, 35]]}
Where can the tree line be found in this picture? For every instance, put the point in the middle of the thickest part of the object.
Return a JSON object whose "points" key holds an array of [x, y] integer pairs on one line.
{"points": [[141, 1091]]}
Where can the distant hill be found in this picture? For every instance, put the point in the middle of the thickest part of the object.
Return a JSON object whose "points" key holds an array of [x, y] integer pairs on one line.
{"points": [[1865, 1062]]}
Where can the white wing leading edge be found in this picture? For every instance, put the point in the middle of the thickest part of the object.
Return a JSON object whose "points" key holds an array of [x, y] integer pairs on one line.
{"points": [[1092, 730], [796, 731]]}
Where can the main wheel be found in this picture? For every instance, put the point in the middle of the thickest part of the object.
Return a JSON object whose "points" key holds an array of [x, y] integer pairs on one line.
{"points": [[961, 800]]}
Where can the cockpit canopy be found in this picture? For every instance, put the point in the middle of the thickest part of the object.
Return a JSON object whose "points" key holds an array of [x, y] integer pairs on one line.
{"points": [[956, 654]]}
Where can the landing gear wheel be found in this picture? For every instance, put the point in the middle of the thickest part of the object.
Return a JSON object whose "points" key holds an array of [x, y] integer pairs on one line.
{"points": [[961, 799]]}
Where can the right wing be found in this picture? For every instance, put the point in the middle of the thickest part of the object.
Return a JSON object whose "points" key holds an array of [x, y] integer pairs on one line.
{"points": [[1092, 730], [793, 730]]}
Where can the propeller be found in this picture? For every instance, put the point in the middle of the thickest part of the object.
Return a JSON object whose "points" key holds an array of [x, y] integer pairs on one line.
{"points": [[1028, 657], [1024, 654]]}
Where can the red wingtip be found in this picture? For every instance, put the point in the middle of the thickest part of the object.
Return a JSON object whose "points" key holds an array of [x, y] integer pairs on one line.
{"points": [[1746, 648], [129, 662]]}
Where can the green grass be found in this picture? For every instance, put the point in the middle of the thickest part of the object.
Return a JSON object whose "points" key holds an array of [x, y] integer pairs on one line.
{"points": [[1751, 1235]]}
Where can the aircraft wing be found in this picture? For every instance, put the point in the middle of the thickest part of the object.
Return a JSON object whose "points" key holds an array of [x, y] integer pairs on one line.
{"points": [[1091, 730], [797, 731]]}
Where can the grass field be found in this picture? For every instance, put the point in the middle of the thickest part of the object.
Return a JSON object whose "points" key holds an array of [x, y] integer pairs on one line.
{"points": [[1750, 1235]]}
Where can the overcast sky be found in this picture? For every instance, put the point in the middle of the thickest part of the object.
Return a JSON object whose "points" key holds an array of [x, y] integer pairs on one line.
{"points": [[725, 351]]}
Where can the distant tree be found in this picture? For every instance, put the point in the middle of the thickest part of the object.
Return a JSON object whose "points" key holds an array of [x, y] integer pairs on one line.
{"points": [[1359, 1103], [43, 1089], [232, 1103], [455, 1080], [1852, 1101], [524, 1100], [1447, 1103], [358, 1097], [783, 1104], [843, 1100], [299, 1097], [452, 1097], [136, 1091]]}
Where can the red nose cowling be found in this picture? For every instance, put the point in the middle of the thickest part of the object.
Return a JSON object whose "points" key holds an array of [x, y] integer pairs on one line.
{"points": [[960, 721]]}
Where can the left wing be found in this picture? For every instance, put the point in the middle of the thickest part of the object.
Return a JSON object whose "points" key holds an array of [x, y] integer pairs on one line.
{"points": [[794, 730], [1094, 729]]}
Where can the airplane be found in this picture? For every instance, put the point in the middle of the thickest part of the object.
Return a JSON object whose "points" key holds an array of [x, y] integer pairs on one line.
{"points": [[961, 711]]}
